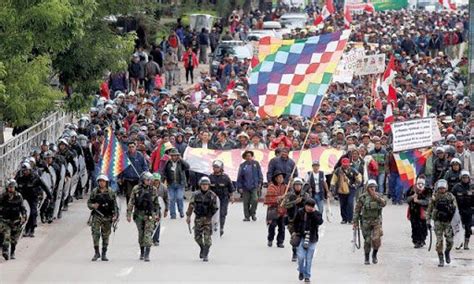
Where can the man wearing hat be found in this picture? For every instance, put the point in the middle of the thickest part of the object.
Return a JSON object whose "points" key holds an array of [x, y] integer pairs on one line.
{"points": [[283, 164], [276, 212], [175, 176], [131, 175], [249, 182], [345, 181], [318, 186]]}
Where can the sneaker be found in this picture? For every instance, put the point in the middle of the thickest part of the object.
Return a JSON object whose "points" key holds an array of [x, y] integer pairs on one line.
{"points": [[270, 244], [181, 215], [307, 280], [343, 222], [246, 220], [280, 245], [300, 276], [254, 218], [156, 244]]}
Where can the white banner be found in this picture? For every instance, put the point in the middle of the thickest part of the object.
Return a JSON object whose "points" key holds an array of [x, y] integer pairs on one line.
{"points": [[412, 134], [436, 134], [342, 74], [370, 64]]}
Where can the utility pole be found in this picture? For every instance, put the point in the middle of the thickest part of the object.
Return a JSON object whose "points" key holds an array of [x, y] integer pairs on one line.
{"points": [[2, 135]]}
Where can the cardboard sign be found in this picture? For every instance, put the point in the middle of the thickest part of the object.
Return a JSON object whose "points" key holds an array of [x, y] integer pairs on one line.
{"points": [[412, 134]]}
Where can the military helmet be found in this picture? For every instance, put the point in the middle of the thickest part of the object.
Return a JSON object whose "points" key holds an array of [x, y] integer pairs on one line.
{"points": [[442, 183], [454, 161], [35, 151], [465, 173], [48, 154], [12, 182], [156, 176], [204, 180], [371, 183], [63, 141], [26, 166], [103, 177], [297, 181], [147, 176], [218, 164]]}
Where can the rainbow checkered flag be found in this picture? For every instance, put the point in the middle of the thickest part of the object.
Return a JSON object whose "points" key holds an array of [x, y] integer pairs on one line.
{"points": [[293, 77], [410, 164], [114, 158]]}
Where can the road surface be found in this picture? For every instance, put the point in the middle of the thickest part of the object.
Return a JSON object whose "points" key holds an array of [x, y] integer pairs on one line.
{"points": [[61, 252]]}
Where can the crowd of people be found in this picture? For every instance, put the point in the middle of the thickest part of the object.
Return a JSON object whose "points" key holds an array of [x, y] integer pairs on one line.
{"points": [[156, 119]]}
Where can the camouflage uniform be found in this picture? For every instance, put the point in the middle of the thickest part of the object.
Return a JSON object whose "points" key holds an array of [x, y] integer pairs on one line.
{"points": [[442, 219], [368, 211], [146, 208], [101, 218], [11, 212], [204, 205]]}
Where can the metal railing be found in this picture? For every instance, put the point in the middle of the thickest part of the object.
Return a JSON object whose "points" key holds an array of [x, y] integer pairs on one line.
{"points": [[14, 150]]}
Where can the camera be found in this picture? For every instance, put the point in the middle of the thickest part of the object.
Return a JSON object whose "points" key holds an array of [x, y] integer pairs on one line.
{"points": [[306, 240]]}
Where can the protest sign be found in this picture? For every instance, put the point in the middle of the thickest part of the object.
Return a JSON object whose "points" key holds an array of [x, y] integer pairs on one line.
{"points": [[412, 134], [370, 64]]}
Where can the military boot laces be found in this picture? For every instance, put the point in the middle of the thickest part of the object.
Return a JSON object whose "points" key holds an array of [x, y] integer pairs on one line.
{"points": [[466, 244], [12, 251], [104, 254], [441, 260], [367, 261], [142, 253], [147, 254], [97, 254], [374, 256], [447, 257], [5, 253]]}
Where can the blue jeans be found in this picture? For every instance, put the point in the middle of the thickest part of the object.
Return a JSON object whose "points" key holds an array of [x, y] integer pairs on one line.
{"points": [[176, 195], [381, 183], [150, 85], [319, 202], [305, 258], [346, 202], [395, 187]]}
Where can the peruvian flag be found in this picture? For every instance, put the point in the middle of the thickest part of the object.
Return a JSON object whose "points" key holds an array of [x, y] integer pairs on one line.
{"points": [[388, 119], [375, 94], [347, 17], [327, 11], [387, 79], [424, 109], [369, 7], [447, 4]]}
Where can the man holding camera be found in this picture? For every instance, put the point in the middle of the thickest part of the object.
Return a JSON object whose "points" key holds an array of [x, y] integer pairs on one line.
{"points": [[306, 224]]}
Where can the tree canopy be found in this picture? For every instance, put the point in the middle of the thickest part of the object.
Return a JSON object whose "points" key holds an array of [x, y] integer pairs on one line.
{"points": [[67, 39]]}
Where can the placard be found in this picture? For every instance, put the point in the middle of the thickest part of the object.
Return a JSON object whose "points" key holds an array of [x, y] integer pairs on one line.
{"points": [[412, 134]]}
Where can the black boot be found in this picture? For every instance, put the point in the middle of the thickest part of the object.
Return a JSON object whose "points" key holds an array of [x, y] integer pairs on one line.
{"points": [[466, 243], [5, 253], [294, 257], [205, 254], [104, 254], [97, 253], [147, 254], [447, 257], [12, 251], [367, 261], [142, 253], [441, 260], [374, 256], [201, 252]]}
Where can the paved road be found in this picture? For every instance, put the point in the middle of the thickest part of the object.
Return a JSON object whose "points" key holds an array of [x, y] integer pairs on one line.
{"points": [[61, 253]]}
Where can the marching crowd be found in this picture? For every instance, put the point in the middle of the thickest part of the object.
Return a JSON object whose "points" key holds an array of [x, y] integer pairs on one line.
{"points": [[155, 120]]}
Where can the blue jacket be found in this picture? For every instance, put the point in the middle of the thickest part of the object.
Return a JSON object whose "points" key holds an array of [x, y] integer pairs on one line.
{"points": [[140, 164], [250, 176], [284, 166]]}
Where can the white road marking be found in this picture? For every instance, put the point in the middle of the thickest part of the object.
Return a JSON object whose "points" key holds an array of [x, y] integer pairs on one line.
{"points": [[125, 271]]}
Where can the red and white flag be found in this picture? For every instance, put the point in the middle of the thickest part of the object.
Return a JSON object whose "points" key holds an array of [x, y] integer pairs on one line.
{"points": [[369, 7], [448, 4], [387, 79], [375, 94], [424, 108], [328, 10], [388, 119]]}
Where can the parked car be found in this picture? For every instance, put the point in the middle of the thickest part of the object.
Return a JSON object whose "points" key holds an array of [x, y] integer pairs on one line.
{"points": [[294, 20], [234, 48]]}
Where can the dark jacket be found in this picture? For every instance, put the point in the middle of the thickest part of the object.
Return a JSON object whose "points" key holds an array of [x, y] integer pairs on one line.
{"points": [[175, 177], [134, 172], [250, 176], [311, 224], [31, 186], [284, 166], [222, 186]]}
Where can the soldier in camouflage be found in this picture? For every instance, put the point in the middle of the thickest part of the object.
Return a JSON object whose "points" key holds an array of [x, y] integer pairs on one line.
{"points": [[104, 212], [441, 209], [368, 211], [204, 205], [12, 218], [146, 212]]}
